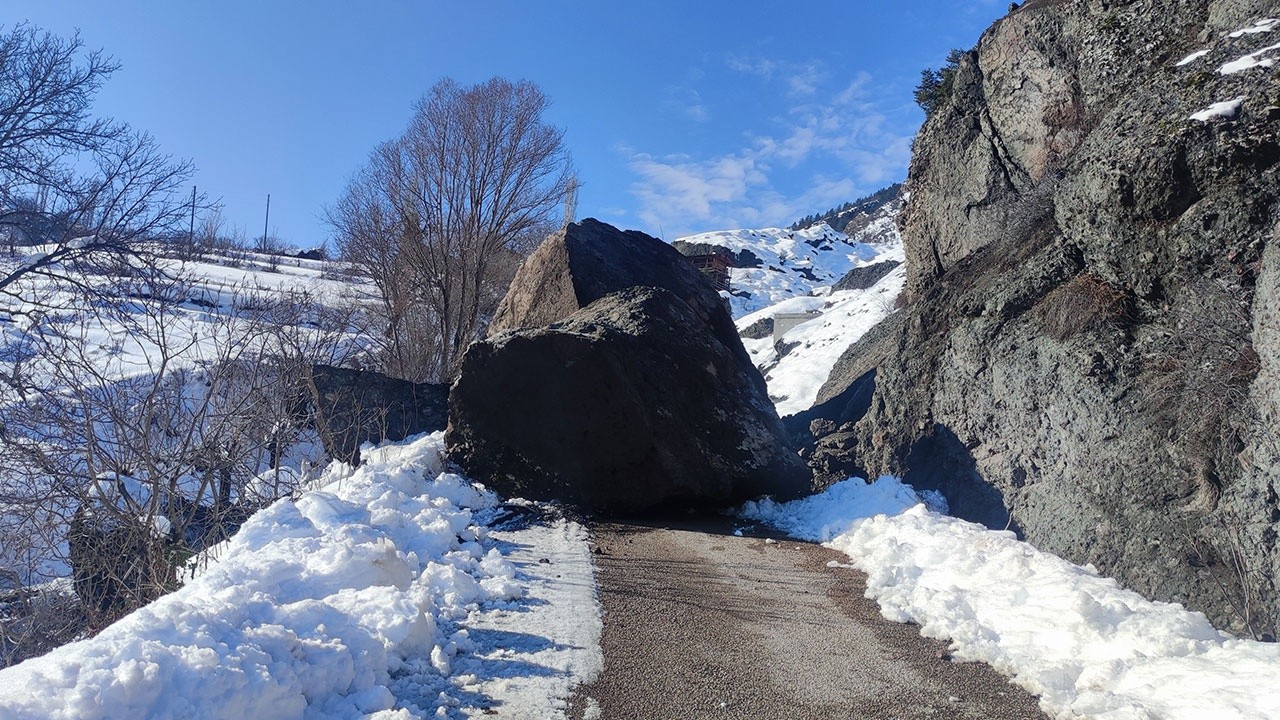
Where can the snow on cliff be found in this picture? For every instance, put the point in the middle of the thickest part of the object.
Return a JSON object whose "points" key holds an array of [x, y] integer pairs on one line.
{"points": [[775, 264]]}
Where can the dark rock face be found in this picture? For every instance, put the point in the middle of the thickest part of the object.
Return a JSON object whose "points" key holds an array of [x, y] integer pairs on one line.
{"points": [[352, 407], [759, 329], [861, 278], [588, 260], [627, 405], [1090, 349]]}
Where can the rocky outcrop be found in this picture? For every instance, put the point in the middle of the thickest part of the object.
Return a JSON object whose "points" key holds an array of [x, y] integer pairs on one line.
{"points": [[625, 406], [614, 379], [352, 407], [861, 278], [1089, 351]]}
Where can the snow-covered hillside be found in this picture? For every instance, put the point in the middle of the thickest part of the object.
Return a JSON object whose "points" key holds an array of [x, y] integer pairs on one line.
{"points": [[795, 271], [775, 264], [185, 348], [798, 363], [787, 262]]}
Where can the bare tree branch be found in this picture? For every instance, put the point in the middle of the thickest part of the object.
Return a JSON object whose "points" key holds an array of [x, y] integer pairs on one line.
{"points": [[437, 216]]}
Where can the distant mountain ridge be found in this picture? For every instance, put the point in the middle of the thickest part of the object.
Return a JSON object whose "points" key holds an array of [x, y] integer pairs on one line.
{"points": [[839, 218]]}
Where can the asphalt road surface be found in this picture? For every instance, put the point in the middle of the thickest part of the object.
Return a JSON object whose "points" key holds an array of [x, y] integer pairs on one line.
{"points": [[702, 624]]}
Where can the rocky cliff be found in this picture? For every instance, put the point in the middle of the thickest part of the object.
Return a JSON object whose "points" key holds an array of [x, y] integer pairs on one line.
{"points": [[1091, 351]]}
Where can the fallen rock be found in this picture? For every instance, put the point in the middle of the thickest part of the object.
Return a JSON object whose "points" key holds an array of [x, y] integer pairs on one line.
{"points": [[627, 405], [589, 260]]}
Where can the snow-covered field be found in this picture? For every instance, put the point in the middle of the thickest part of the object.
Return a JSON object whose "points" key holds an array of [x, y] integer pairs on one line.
{"points": [[162, 340], [380, 594], [1088, 647]]}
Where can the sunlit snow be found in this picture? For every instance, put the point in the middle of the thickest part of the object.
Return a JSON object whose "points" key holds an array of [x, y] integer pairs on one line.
{"points": [[1088, 647]]}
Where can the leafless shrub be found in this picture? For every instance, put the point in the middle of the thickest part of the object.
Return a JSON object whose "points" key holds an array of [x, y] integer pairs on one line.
{"points": [[1208, 360], [1198, 379], [34, 621], [123, 462], [1085, 303], [1218, 552]]}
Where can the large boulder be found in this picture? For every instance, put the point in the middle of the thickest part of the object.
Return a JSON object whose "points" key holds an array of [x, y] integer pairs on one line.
{"points": [[588, 260], [627, 405]]}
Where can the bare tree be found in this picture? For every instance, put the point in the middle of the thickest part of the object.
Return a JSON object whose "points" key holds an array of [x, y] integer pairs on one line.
{"points": [[79, 190], [437, 215]]}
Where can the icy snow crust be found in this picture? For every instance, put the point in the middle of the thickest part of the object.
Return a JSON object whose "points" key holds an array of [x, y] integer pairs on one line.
{"points": [[1088, 647], [351, 602], [1226, 110]]}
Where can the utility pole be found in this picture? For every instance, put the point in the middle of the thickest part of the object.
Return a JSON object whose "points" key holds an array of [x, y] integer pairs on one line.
{"points": [[265, 222], [570, 201], [191, 234]]}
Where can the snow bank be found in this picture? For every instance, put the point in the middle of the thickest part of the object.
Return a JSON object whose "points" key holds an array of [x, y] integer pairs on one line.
{"points": [[1261, 26], [348, 603], [1191, 58], [1085, 645]]}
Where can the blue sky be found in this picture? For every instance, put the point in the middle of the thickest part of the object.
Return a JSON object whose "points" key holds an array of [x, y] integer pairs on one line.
{"points": [[681, 116]]}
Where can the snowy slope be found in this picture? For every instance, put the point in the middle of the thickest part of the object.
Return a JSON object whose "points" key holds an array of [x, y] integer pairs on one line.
{"points": [[381, 594], [1089, 648], [205, 312], [810, 350], [793, 271], [790, 262]]}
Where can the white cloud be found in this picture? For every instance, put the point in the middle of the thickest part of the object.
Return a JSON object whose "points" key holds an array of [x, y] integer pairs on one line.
{"points": [[837, 146], [759, 67], [673, 188], [854, 91], [803, 80], [688, 102]]}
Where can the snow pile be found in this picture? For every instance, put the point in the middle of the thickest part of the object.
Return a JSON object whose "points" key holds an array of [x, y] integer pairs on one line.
{"points": [[1258, 58], [1191, 58], [812, 348], [1226, 110], [1086, 646], [530, 654], [347, 603]]}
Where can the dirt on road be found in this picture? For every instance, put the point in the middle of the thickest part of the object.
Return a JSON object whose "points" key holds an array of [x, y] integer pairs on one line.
{"points": [[700, 623]]}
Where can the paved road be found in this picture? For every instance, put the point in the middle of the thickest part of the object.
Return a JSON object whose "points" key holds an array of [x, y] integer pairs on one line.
{"points": [[702, 624]]}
